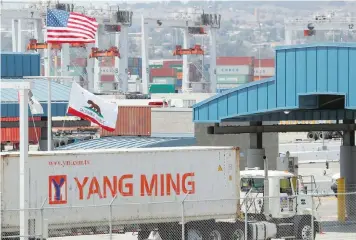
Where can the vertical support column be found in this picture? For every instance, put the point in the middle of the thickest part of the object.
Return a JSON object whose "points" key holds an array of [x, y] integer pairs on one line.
{"points": [[14, 37], [185, 80], [65, 59], [255, 152], [123, 70], [212, 43], [144, 52], [288, 35], [24, 174], [20, 37], [47, 58], [347, 169], [96, 77], [118, 78], [37, 32], [90, 69]]}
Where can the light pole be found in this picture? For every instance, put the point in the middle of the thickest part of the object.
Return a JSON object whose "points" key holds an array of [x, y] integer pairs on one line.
{"points": [[23, 88]]}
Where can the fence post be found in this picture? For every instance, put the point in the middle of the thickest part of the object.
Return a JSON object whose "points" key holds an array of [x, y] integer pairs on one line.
{"points": [[183, 220], [110, 216], [42, 216], [312, 216], [246, 217]]}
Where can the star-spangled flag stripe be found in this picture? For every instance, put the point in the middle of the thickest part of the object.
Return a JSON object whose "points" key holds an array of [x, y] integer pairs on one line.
{"points": [[65, 27]]}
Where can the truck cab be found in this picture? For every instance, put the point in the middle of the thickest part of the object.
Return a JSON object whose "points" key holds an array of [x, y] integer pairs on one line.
{"points": [[289, 207]]}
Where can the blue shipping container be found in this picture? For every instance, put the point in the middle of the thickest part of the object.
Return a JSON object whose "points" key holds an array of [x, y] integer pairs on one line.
{"points": [[17, 65], [179, 82]]}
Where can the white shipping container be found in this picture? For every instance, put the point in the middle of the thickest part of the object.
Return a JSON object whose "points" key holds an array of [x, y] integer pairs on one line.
{"points": [[145, 185], [234, 70], [108, 70], [265, 71]]}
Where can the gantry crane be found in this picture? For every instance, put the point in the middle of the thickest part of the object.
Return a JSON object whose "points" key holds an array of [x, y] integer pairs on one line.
{"points": [[196, 50], [211, 21], [310, 25], [111, 52]]}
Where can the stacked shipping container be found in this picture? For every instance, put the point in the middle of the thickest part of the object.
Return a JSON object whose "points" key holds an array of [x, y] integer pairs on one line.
{"points": [[233, 71], [131, 121], [265, 70]]}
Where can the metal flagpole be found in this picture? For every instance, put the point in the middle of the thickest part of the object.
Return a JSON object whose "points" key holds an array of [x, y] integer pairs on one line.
{"points": [[49, 102]]}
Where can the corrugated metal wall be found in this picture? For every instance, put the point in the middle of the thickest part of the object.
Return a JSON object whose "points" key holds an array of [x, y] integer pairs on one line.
{"points": [[13, 135], [16, 65], [131, 121]]}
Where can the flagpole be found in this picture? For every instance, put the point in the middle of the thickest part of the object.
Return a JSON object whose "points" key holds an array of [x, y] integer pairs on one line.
{"points": [[49, 102]]}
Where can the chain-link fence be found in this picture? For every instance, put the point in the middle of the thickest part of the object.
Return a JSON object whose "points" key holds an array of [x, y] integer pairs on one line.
{"points": [[283, 217]]}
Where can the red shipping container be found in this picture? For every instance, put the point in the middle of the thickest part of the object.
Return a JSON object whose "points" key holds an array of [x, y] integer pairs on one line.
{"points": [[13, 135], [131, 121], [264, 62], [234, 60], [16, 119], [107, 78], [163, 72], [107, 62], [78, 62], [169, 63]]}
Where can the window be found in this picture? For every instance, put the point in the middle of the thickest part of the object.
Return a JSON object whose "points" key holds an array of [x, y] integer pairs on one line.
{"points": [[285, 186], [255, 183]]}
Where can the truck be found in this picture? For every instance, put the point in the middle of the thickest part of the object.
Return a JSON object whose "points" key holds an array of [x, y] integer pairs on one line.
{"points": [[152, 190]]}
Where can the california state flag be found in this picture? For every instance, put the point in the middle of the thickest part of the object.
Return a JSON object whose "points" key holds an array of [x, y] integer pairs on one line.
{"points": [[88, 106]]}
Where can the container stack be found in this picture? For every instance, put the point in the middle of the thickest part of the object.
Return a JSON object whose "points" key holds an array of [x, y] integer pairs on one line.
{"points": [[233, 71], [163, 79], [266, 70]]}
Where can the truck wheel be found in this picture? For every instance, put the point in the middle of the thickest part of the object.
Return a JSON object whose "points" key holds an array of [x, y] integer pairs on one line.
{"points": [[238, 234], [304, 231], [143, 235], [193, 234]]}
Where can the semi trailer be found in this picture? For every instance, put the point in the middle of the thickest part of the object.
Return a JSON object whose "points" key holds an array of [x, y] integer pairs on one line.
{"points": [[153, 189]]}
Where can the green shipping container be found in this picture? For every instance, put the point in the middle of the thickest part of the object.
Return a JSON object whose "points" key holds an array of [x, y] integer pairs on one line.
{"points": [[156, 66], [162, 88], [231, 79]]}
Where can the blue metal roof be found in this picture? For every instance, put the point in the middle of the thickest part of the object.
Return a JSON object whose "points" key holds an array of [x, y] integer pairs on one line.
{"points": [[303, 73], [129, 142], [9, 106], [60, 92]]}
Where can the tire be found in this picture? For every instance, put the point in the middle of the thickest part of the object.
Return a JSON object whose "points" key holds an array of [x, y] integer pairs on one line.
{"points": [[304, 229]]}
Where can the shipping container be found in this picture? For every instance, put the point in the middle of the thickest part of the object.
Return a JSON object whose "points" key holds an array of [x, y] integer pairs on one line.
{"points": [[162, 88], [107, 78], [179, 82], [137, 183], [14, 65], [227, 86], [131, 121], [108, 70], [233, 79], [269, 63], [164, 80], [232, 61], [179, 75], [16, 119], [234, 70], [257, 78], [80, 62], [155, 66], [264, 71], [170, 63], [107, 62], [13, 135], [163, 72]]}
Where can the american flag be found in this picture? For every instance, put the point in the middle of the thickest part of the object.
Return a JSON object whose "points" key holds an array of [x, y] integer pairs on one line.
{"points": [[70, 27]]}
